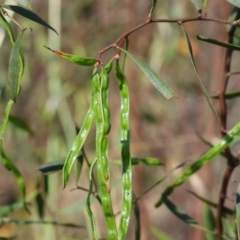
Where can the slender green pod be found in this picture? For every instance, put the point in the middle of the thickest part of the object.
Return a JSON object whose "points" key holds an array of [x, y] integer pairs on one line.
{"points": [[79, 140], [100, 88], [125, 153]]}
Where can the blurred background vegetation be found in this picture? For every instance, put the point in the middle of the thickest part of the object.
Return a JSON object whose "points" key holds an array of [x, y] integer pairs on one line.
{"points": [[55, 96]]}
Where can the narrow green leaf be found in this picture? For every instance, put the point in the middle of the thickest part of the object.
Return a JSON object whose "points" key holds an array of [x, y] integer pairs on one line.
{"points": [[75, 59], [52, 166], [24, 3], [20, 123], [40, 205], [15, 69], [181, 215], [159, 234], [238, 210], [196, 71], [157, 82], [207, 157], [219, 43], [198, 5], [78, 144], [29, 15], [205, 4], [209, 222], [152, 8], [229, 95]]}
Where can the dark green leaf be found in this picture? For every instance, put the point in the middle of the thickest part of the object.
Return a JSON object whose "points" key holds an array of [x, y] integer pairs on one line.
{"points": [[219, 43], [181, 215], [145, 161], [2, 92], [29, 15], [80, 160], [196, 71], [15, 69], [157, 82], [210, 223], [24, 3], [20, 123], [229, 95], [40, 205], [52, 166]]}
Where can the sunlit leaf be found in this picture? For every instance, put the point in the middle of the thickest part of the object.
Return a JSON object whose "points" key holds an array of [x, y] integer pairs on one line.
{"points": [[196, 71], [235, 2], [24, 3], [219, 43], [29, 15], [15, 69], [206, 158], [157, 82], [229, 227], [75, 59]]}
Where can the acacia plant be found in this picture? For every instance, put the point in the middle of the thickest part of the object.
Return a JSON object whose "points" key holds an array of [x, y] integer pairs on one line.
{"points": [[99, 113]]}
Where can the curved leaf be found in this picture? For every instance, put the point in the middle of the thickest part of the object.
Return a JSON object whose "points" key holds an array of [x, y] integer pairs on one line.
{"points": [[20, 123], [75, 59], [29, 15], [196, 71], [24, 3], [52, 166], [157, 82], [235, 3]]}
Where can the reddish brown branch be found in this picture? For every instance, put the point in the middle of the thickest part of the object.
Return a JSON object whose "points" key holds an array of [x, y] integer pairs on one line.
{"points": [[223, 116], [149, 21]]}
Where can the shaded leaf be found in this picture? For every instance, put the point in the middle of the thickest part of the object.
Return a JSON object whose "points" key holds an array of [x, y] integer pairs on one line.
{"points": [[181, 215], [80, 160], [52, 166], [229, 227], [40, 205], [207, 157], [209, 222], [20, 123], [2, 92], [15, 69], [24, 3], [219, 43], [212, 204], [157, 82], [152, 8], [75, 59], [196, 71], [29, 15]]}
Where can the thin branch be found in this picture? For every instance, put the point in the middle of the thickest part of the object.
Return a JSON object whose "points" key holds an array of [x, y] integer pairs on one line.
{"points": [[177, 20]]}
